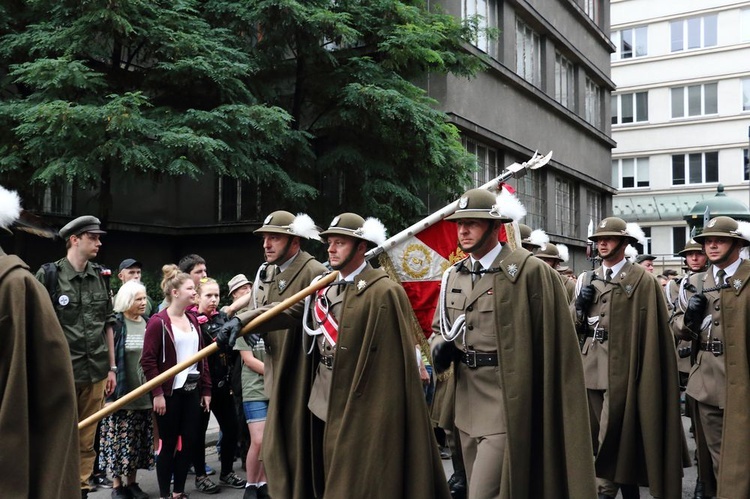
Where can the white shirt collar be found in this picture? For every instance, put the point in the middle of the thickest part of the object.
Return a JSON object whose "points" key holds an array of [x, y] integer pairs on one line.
{"points": [[489, 258], [616, 268], [730, 270], [287, 263], [357, 271]]}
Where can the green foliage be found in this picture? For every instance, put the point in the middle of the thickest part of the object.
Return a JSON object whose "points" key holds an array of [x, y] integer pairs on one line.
{"points": [[303, 96]]}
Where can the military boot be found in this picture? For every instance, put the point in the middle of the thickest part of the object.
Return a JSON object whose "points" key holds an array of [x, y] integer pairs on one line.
{"points": [[698, 492], [630, 491], [457, 485]]}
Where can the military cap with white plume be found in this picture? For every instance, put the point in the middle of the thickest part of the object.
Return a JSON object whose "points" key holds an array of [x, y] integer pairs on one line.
{"points": [[509, 206], [373, 230], [10, 207], [304, 226], [538, 238], [743, 229], [563, 251], [634, 230]]}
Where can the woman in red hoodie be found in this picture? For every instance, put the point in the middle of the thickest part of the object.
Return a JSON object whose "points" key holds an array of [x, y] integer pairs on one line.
{"points": [[172, 336]]}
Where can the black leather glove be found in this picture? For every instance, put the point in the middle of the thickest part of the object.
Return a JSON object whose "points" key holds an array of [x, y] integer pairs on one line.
{"points": [[442, 356], [694, 313], [227, 335], [585, 298]]}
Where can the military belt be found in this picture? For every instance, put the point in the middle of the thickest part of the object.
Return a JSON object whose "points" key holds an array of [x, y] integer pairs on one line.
{"points": [[716, 347], [599, 334], [474, 359], [327, 360]]}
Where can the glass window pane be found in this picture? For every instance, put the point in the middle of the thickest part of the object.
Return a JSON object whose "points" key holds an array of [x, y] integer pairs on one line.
{"points": [[642, 172], [746, 163], [712, 166], [694, 32], [745, 35], [696, 168], [641, 106], [628, 173], [746, 94], [626, 103], [678, 103], [679, 238], [694, 100], [709, 31], [614, 109], [710, 98], [676, 28], [641, 41], [626, 46], [678, 169]]}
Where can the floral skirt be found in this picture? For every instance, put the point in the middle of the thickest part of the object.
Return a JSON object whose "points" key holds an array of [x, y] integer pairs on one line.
{"points": [[126, 442]]}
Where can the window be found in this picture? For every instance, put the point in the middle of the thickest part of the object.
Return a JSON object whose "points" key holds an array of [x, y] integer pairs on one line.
{"points": [[566, 207], [593, 103], [693, 33], [629, 108], [594, 208], [55, 198], [528, 54], [630, 172], [531, 189], [564, 81], [487, 161], [746, 94], [644, 250], [695, 168], [745, 25], [238, 200], [629, 43], [746, 163], [484, 11], [679, 238], [592, 8], [696, 99]]}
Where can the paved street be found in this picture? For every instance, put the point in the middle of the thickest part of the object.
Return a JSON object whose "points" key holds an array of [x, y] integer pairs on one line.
{"points": [[147, 479]]}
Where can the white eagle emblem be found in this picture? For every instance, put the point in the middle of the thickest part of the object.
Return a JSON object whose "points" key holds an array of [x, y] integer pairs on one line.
{"points": [[361, 284], [463, 202], [267, 220], [737, 284], [512, 269], [603, 223], [282, 285], [711, 223], [335, 221]]}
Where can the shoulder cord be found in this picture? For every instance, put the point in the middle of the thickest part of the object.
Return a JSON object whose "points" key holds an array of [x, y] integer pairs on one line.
{"points": [[307, 317], [449, 331]]}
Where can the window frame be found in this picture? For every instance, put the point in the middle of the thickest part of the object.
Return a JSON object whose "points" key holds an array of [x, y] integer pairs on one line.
{"points": [[745, 88], [487, 20], [688, 162], [593, 103], [485, 170], [685, 25], [564, 73], [679, 246], [566, 207], [638, 183], [685, 90], [617, 105], [528, 67], [637, 32]]}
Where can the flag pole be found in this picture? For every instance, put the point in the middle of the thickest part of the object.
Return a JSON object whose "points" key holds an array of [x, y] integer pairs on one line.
{"points": [[515, 170], [205, 352]]}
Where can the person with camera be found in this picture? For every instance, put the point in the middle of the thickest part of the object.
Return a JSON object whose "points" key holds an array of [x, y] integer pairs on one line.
{"points": [[714, 313]]}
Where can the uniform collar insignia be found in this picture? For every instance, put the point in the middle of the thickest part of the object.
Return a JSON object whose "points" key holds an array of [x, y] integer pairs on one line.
{"points": [[361, 284], [512, 269], [628, 288], [737, 283], [282, 284]]}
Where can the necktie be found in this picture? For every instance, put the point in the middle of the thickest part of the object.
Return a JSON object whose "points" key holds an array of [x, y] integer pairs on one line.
{"points": [[475, 272], [608, 275], [720, 277]]}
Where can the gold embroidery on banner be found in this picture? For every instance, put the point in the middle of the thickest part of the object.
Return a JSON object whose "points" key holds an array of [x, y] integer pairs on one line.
{"points": [[416, 261], [455, 256]]}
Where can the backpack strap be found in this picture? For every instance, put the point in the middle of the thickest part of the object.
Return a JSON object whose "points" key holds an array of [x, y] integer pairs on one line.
{"points": [[50, 280]]}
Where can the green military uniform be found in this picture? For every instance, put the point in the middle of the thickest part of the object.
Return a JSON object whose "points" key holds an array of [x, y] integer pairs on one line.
{"points": [[719, 380]]}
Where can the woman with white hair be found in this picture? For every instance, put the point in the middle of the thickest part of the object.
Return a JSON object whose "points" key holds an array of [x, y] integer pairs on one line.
{"points": [[127, 435]]}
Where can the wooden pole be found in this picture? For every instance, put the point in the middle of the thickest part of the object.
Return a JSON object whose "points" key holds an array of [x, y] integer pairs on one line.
{"points": [[205, 352]]}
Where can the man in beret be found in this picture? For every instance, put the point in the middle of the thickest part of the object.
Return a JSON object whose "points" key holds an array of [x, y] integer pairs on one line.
{"points": [[37, 401], [79, 290]]}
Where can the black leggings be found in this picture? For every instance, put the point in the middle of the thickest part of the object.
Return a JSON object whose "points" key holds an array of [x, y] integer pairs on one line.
{"points": [[180, 421], [222, 405]]}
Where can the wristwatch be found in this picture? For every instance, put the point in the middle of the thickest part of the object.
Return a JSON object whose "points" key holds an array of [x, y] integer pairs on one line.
{"points": [[113, 369]]}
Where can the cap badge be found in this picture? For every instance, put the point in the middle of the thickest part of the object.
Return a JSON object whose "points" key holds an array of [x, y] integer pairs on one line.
{"points": [[463, 202], [361, 284], [711, 223], [603, 224], [335, 221], [268, 220]]}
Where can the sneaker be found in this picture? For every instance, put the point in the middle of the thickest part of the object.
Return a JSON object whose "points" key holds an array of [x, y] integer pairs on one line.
{"points": [[135, 492], [210, 471], [232, 480], [121, 493], [205, 485], [100, 481]]}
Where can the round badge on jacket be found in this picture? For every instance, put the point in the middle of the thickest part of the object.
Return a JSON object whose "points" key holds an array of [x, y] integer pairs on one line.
{"points": [[63, 300]]}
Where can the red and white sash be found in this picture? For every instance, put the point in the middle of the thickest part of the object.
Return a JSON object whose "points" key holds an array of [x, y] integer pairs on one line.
{"points": [[327, 322]]}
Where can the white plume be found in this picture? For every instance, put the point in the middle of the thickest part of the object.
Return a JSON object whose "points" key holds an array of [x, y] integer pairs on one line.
{"points": [[508, 205], [743, 230], [374, 231], [539, 238], [634, 230], [10, 207], [745, 253], [304, 226], [564, 253], [631, 253]]}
